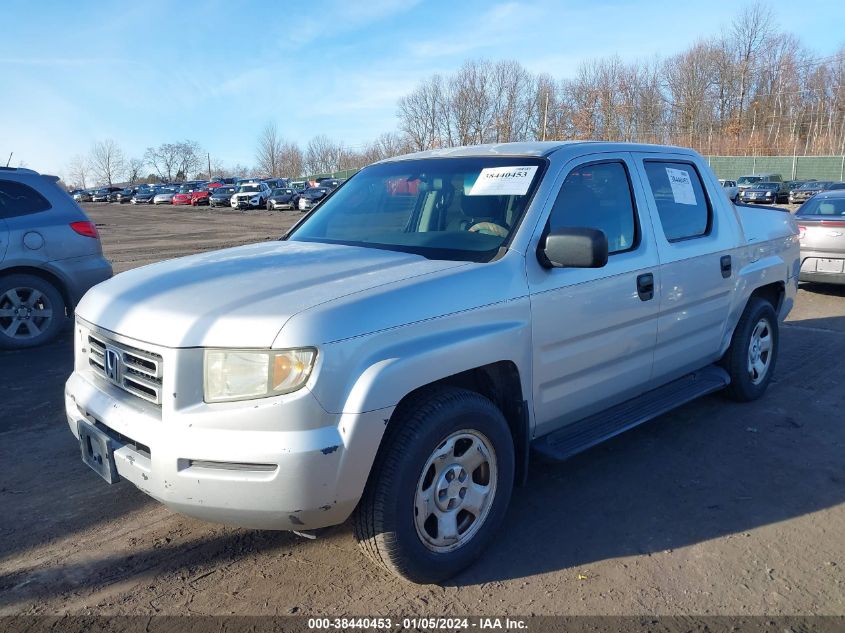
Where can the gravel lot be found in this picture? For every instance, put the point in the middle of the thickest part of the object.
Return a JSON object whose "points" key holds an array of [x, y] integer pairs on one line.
{"points": [[716, 508]]}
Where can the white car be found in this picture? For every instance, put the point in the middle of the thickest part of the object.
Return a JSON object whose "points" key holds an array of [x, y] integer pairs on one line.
{"points": [[251, 196], [731, 190]]}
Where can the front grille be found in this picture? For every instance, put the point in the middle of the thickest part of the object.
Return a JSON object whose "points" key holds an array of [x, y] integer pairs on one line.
{"points": [[134, 370]]}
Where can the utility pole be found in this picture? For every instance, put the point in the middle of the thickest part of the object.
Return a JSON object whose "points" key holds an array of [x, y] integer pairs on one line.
{"points": [[208, 155]]}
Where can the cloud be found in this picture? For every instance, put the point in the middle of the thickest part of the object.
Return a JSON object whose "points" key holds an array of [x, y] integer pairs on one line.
{"points": [[494, 27]]}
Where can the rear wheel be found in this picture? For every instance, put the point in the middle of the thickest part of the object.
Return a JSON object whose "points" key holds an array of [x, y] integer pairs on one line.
{"points": [[32, 311], [439, 488], [751, 358]]}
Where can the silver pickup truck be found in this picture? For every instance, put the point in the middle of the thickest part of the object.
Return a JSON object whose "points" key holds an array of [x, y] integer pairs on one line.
{"points": [[412, 341]]}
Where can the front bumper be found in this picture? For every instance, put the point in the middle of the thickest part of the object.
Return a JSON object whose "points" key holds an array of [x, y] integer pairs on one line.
{"points": [[241, 465]]}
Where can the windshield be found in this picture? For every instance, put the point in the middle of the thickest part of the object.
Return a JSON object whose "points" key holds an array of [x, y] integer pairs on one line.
{"points": [[222, 191], [441, 208], [814, 185], [766, 185], [281, 192], [249, 189], [748, 180], [820, 208]]}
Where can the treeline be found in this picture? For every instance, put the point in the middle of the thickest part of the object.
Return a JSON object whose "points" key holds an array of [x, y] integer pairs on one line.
{"points": [[751, 90]]}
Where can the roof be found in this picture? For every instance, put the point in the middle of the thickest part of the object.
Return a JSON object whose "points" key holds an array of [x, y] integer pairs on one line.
{"points": [[533, 148], [20, 170]]}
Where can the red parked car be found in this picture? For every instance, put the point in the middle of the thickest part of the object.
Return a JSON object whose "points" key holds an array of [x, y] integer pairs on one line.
{"points": [[183, 196], [200, 197]]}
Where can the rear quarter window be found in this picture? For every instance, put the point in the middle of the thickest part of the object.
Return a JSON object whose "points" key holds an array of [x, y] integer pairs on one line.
{"points": [[18, 199], [682, 204]]}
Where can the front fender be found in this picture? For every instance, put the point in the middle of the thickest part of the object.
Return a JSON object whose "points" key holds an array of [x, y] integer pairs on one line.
{"points": [[376, 371]]}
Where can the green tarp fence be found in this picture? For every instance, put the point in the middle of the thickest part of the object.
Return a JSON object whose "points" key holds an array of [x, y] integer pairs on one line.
{"points": [[789, 167]]}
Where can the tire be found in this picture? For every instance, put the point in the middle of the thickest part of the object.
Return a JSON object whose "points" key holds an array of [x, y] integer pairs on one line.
{"points": [[37, 297], [269, 206], [388, 523], [752, 356]]}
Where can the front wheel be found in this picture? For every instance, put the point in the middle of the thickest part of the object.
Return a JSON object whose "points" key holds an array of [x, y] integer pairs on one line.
{"points": [[440, 486], [751, 358]]}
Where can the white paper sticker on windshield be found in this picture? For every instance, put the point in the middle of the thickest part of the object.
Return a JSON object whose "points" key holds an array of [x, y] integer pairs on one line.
{"points": [[503, 181], [682, 189]]}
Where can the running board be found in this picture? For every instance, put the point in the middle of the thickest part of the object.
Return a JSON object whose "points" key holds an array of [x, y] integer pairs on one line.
{"points": [[586, 433]]}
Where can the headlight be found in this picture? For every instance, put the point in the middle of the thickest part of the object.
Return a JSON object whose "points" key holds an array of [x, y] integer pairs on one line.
{"points": [[247, 374]]}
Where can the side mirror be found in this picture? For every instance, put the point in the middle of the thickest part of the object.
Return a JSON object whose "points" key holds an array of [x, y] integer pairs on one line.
{"points": [[573, 247]]}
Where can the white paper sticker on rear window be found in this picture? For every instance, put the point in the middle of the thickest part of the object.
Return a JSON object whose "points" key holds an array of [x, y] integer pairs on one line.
{"points": [[682, 189], [503, 181]]}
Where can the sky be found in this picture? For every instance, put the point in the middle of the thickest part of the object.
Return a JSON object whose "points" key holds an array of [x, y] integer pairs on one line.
{"points": [[215, 71]]}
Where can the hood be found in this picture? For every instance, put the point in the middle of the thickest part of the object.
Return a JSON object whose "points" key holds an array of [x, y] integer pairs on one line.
{"points": [[247, 194], [240, 297]]}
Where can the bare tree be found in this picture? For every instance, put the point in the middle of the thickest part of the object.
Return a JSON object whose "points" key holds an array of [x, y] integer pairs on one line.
{"points": [[749, 34], [107, 161], [164, 160], [189, 159], [134, 167], [322, 155], [268, 154], [78, 171], [291, 161]]}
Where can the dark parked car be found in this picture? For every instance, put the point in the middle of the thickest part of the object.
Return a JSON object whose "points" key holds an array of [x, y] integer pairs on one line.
{"points": [[332, 183], [282, 198], [765, 192], [808, 190], [123, 196], [221, 196], [102, 195], [144, 195], [836, 186], [311, 197], [50, 257]]}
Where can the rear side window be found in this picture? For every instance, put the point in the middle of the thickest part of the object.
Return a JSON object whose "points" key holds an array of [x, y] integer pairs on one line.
{"points": [[598, 196], [17, 199], [682, 205]]}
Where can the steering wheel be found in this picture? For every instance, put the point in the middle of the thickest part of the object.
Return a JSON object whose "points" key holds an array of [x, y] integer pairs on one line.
{"points": [[489, 228]]}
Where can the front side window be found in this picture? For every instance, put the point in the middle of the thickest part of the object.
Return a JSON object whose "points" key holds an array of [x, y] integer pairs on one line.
{"points": [[441, 208], [598, 196], [17, 199], [683, 207]]}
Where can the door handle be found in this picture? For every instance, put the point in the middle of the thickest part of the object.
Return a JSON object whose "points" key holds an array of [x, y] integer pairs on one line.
{"points": [[645, 286], [725, 263]]}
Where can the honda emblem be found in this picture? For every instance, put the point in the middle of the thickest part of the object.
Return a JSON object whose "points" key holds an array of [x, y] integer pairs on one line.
{"points": [[112, 365]]}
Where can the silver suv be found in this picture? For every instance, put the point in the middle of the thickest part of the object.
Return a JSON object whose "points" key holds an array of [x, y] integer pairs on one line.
{"points": [[50, 255]]}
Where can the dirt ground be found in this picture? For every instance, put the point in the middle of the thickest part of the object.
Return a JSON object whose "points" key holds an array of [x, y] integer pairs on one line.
{"points": [[716, 508]]}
